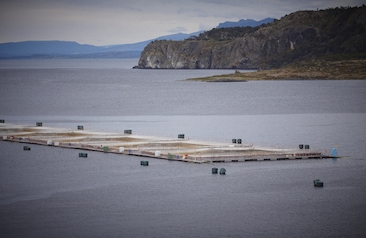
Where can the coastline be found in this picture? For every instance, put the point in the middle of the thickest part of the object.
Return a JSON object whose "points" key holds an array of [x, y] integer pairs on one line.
{"points": [[311, 70]]}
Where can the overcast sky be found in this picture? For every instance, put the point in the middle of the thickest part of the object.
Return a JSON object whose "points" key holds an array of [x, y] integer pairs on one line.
{"points": [[108, 22]]}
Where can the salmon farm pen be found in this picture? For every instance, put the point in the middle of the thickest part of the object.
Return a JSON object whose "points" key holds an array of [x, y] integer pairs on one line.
{"points": [[176, 149]]}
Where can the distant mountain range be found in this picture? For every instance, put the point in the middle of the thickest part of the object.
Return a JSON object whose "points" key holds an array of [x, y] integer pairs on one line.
{"points": [[69, 49], [243, 23]]}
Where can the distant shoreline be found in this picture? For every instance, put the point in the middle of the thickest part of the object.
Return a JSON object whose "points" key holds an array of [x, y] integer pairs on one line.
{"points": [[312, 70]]}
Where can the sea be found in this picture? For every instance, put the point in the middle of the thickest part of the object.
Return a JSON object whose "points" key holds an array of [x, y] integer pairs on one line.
{"points": [[51, 192]]}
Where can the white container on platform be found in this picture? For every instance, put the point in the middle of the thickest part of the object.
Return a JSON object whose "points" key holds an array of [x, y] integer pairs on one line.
{"points": [[121, 149], [157, 153]]}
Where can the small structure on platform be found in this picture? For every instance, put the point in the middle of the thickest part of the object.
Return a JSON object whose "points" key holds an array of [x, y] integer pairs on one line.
{"points": [[318, 183], [306, 147], [222, 171], [105, 148], [83, 155], [39, 124], [49, 142], [144, 163]]}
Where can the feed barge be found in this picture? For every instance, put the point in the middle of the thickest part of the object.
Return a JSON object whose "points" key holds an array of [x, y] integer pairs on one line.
{"points": [[176, 149]]}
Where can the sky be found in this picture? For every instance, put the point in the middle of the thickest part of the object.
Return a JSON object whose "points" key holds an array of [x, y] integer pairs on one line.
{"points": [[110, 22]]}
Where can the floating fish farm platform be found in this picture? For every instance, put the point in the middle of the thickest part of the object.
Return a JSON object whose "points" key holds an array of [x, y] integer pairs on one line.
{"points": [[176, 149]]}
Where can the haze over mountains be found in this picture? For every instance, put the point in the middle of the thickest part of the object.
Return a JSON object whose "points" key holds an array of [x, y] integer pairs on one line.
{"points": [[69, 49]]}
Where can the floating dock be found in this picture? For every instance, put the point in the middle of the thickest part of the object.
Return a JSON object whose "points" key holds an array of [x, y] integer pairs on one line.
{"points": [[176, 149]]}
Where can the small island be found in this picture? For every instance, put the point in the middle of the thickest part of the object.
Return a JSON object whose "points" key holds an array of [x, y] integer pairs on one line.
{"points": [[306, 70]]}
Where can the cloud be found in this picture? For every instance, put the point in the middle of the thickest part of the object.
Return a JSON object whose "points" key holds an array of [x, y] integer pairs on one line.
{"points": [[178, 29]]}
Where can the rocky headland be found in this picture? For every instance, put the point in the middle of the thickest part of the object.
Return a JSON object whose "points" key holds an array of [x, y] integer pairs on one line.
{"points": [[303, 44]]}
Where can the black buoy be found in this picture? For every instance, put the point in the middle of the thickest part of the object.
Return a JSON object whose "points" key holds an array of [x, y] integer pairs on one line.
{"points": [[318, 183], [215, 170], [83, 155], [222, 171], [144, 163], [26, 148]]}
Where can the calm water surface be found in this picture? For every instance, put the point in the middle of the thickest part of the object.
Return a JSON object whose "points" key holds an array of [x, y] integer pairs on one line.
{"points": [[50, 192]]}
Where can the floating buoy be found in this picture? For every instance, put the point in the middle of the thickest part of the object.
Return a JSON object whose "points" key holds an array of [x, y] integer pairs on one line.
{"points": [[144, 163], [318, 183], [2, 121], [128, 131], [215, 170], [222, 171], [39, 124], [181, 136], [334, 152], [80, 127], [83, 155], [26, 148]]}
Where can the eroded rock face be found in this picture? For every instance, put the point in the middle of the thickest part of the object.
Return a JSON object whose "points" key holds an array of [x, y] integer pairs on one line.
{"points": [[242, 53], [294, 36]]}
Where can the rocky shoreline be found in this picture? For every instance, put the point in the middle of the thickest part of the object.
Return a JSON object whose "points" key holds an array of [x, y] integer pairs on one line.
{"points": [[313, 70]]}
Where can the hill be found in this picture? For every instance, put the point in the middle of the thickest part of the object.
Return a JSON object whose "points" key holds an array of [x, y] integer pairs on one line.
{"points": [[69, 49], [331, 34]]}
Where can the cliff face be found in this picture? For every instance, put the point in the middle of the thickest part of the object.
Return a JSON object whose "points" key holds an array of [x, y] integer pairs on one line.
{"points": [[300, 35]]}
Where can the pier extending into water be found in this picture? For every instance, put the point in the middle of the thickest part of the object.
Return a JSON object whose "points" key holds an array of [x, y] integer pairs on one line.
{"points": [[177, 149]]}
